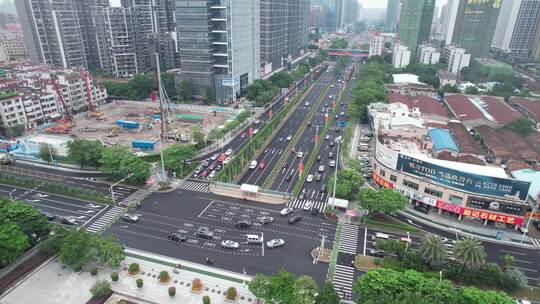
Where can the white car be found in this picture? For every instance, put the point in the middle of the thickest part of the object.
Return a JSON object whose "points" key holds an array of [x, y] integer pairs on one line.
{"points": [[327, 137], [321, 168], [300, 154], [230, 244], [306, 104], [309, 178], [197, 170], [307, 206], [255, 131], [332, 163], [229, 152], [286, 211], [289, 138], [275, 243], [214, 157]]}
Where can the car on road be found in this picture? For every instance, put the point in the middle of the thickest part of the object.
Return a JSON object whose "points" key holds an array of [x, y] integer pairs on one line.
{"points": [[378, 253], [327, 137], [342, 113], [197, 170], [321, 168], [68, 220], [309, 124], [286, 211], [280, 139], [288, 177], [204, 173], [319, 158], [253, 164], [243, 224], [255, 131], [309, 178], [204, 232], [318, 177], [323, 188], [315, 211], [254, 239], [212, 174], [326, 104], [48, 215], [300, 154], [206, 164], [130, 217], [307, 206], [330, 154], [331, 144], [289, 138], [265, 219], [230, 244], [243, 134], [295, 219], [306, 103], [275, 243], [219, 167], [176, 237], [332, 163], [214, 157], [336, 117], [229, 152], [262, 165]]}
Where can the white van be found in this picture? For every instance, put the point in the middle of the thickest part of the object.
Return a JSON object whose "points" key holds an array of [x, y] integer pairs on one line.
{"points": [[253, 164], [380, 236], [254, 239]]}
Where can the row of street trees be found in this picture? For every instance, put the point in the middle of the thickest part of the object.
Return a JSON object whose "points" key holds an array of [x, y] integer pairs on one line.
{"points": [[369, 89], [284, 288]]}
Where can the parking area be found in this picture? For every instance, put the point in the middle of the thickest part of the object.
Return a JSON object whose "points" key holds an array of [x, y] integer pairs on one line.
{"points": [[162, 215]]}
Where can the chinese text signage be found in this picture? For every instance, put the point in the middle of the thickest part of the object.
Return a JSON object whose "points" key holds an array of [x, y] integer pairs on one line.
{"points": [[382, 182]]}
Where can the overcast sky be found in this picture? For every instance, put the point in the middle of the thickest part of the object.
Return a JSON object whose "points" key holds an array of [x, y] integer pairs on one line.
{"points": [[382, 3]]}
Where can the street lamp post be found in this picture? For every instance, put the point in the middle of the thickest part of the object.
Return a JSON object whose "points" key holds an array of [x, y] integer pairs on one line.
{"points": [[528, 222], [11, 194], [335, 176], [111, 188]]}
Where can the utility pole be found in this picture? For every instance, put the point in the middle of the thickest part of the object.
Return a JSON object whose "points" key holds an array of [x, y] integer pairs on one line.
{"points": [[335, 176], [162, 135]]}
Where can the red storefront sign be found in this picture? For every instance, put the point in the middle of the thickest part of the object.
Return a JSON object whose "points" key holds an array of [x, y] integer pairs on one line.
{"points": [[485, 215], [382, 182]]}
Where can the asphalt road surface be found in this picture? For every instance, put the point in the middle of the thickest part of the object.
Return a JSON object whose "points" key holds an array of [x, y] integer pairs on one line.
{"points": [[184, 212]]}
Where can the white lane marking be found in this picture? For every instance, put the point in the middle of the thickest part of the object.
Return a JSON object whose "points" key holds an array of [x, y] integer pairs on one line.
{"points": [[365, 240], [205, 209]]}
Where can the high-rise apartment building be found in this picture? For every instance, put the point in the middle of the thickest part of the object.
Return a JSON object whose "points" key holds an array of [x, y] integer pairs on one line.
{"points": [[456, 58], [415, 20], [317, 16], [392, 9], [52, 32], [401, 55], [428, 54], [219, 45], [448, 20], [535, 49], [515, 28], [376, 43], [336, 14], [474, 24]]}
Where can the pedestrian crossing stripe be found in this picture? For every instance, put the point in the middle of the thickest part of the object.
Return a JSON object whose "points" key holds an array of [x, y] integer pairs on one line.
{"points": [[194, 186], [536, 242], [110, 216], [299, 204], [349, 239], [343, 280]]}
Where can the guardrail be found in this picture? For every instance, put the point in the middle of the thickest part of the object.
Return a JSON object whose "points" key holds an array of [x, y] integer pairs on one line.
{"points": [[34, 173]]}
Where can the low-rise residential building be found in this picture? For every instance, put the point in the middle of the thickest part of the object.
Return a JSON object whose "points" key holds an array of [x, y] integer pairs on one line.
{"points": [[13, 48], [401, 56], [428, 54]]}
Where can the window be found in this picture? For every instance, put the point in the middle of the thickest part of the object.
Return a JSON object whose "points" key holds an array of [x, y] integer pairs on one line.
{"points": [[382, 173], [410, 184], [455, 199], [433, 192], [393, 178]]}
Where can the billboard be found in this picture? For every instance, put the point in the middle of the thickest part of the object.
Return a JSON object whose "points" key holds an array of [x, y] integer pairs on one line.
{"points": [[474, 183], [480, 214], [385, 155]]}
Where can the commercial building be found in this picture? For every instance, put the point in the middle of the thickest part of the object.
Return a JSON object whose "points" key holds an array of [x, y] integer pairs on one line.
{"points": [[219, 45], [455, 58], [30, 98], [392, 10], [317, 16], [535, 49], [376, 44], [428, 54], [406, 160], [515, 28], [401, 56], [473, 25], [336, 13], [284, 31], [415, 20], [13, 48]]}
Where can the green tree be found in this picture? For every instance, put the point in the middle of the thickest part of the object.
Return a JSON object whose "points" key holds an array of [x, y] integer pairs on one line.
{"points": [[100, 288], [328, 295], [348, 183], [281, 79], [109, 252], [52, 244], [77, 248], [521, 126], [119, 162], [13, 242], [508, 261], [472, 295], [208, 96], [517, 278], [305, 290], [85, 152], [28, 219], [472, 90], [469, 252], [283, 287], [46, 152], [176, 155], [14, 131], [339, 43], [433, 250], [385, 201], [140, 86], [186, 91], [448, 88], [261, 287], [198, 138]]}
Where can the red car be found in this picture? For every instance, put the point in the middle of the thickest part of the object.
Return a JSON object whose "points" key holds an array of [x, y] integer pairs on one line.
{"points": [[243, 135], [262, 165], [204, 173]]}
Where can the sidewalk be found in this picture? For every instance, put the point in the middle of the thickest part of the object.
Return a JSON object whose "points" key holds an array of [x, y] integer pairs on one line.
{"points": [[63, 167], [477, 230], [53, 283]]}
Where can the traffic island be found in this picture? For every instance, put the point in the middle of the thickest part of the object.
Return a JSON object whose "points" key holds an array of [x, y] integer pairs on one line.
{"points": [[325, 256], [363, 262]]}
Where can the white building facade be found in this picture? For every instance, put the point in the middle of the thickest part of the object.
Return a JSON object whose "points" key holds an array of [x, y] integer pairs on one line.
{"points": [[401, 56], [376, 43], [456, 59]]}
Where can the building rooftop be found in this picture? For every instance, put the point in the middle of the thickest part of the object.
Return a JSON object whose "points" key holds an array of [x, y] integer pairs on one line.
{"points": [[442, 140], [502, 112], [531, 106], [489, 108], [531, 176], [462, 107], [426, 104], [464, 140], [494, 143], [406, 78]]}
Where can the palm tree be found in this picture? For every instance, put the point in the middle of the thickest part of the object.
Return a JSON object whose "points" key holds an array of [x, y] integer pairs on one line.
{"points": [[508, 261], [470, 252], [433, 250]]}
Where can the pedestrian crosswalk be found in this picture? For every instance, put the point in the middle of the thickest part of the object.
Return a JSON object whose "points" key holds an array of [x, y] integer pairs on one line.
{"points": [[106, 219], [299, 204], [536, 242], [343, 280], [136, 197], [196, 186], [349, 239]]}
